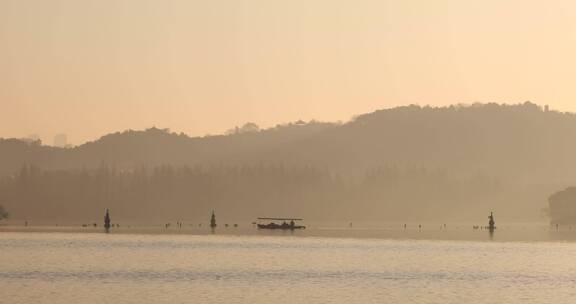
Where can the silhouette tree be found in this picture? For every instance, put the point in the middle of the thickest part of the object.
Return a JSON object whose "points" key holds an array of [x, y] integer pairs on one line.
{"points": [[562, 206], [3, 213]]}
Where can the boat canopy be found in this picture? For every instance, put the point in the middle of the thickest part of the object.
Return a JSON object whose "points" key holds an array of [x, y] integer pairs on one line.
{"points": [[280, 219]]}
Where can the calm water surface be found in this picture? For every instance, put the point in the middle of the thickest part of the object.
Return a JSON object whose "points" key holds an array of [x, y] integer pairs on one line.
{"points": [[168, 268]]}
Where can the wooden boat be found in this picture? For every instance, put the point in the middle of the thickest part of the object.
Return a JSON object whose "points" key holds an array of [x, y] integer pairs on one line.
{"points": [[280, 223]]}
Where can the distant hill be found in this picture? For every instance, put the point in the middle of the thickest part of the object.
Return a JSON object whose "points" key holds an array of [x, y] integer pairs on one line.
{"points": [[520, 141], [157, 146], [526, 148]]}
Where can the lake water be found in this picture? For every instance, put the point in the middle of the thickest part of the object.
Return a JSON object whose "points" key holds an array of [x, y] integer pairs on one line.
{"points": [[79, 267]]}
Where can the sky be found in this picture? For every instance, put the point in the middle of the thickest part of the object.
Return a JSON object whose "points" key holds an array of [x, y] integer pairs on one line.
{"points": [[90, 67]]}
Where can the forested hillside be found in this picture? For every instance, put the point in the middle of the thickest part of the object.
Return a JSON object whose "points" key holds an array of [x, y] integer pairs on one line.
{"points": [[408, 162]]}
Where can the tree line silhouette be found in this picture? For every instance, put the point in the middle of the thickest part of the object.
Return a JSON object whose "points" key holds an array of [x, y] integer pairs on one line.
{"points": [[238, 192]]}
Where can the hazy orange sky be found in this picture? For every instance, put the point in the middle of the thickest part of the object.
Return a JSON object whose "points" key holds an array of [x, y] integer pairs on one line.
{"points": [[90, 67]]}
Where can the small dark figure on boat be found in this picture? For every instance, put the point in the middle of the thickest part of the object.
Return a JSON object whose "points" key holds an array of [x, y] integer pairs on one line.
{"points": [[107, 220]]}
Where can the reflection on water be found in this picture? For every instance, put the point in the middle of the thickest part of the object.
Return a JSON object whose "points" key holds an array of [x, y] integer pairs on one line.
{"points": [[169, 268], [426, 231]]}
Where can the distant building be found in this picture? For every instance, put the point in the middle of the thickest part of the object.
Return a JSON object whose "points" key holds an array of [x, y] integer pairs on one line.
{"points": [[32, 139], [61, 140]]}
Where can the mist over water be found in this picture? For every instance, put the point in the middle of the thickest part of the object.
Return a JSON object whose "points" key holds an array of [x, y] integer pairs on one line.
{"points": [[120, 268], [287, 151], [393, 219]]}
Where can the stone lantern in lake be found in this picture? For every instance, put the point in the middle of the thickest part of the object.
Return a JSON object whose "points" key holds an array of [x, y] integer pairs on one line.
{"points": [[107, 220], [491, 222], [213, 220]]}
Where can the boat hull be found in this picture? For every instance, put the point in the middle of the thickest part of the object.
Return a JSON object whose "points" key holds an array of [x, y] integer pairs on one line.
{"points": [[281, 227]]}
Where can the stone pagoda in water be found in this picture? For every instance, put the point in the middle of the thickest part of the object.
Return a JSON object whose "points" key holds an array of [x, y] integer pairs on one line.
{"points": [[491, 223], [213, 220], [107, 220]]}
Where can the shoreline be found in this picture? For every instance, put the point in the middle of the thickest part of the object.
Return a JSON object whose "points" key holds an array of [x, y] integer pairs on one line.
{"points": [[508, 233]]}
